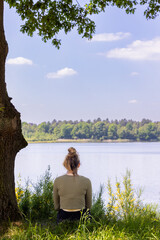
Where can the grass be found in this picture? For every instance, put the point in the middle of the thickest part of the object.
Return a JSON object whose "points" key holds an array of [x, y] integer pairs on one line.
{"points": [[138, 229], [124, 217]]}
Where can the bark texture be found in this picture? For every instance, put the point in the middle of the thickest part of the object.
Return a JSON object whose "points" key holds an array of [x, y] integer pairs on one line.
{"points": [[11, 138]]}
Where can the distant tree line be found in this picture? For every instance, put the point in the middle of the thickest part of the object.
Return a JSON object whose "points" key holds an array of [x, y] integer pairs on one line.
{"points": [[98, 129]]}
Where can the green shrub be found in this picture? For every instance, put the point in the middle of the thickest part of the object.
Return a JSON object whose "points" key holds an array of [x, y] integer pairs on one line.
{"points": [[36, 201]]}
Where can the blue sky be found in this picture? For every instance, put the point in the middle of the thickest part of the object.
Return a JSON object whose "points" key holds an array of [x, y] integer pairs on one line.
{"points": [[115, 75]]}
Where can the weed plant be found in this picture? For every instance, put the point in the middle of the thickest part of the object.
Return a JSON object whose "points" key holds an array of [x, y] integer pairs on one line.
{"points": [[124, 217], [125, 203]]}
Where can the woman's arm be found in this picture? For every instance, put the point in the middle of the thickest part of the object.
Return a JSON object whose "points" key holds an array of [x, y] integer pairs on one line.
{"points": [[56, 198], [88, 197]]}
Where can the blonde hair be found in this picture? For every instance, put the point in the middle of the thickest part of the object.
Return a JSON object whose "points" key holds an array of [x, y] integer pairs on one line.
{"points": [[71, 161]]}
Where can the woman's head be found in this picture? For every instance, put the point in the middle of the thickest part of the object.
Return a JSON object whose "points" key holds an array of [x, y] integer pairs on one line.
{"points": [[72, 162]]}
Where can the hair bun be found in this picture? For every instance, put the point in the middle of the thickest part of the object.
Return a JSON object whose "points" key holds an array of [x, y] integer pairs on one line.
{"points": [[72, 150]]}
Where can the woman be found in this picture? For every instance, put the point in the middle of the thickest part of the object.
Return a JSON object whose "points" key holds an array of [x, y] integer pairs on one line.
{"points": [[72, 193]]}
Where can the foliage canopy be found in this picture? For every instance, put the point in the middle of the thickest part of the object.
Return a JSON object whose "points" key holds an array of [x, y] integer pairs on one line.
{"points": [[49, 17], [96, 130]]}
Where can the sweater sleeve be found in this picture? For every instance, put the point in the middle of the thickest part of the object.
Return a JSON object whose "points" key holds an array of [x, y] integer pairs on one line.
{"points": [[56, 198], [88, 197]]}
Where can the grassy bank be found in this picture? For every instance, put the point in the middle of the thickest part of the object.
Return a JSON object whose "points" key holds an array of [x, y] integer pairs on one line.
{"points": [[140, 228], [124, 217], [86, 141]]}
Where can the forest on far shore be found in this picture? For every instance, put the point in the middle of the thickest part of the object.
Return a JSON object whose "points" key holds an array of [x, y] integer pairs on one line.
{"points": [[98, 129]]}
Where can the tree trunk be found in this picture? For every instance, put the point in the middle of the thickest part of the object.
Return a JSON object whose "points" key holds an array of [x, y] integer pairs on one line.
{"points": [[11, 138]]}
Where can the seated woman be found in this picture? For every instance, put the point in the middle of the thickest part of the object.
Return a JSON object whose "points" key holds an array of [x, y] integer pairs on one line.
{"points": [[72, 193]]}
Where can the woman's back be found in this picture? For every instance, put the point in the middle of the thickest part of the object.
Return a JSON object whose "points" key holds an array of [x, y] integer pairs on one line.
{"points": [[74, 192]]}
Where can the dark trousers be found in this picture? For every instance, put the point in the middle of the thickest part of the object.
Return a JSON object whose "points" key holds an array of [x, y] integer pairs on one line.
{"points": [[63, 215]]}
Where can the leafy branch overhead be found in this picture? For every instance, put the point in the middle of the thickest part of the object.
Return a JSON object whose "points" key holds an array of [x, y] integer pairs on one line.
{"points": [[48, 17], [151, 11]]}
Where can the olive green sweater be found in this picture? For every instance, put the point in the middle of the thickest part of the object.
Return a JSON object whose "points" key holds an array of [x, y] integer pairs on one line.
{"points": [[72, 192]]}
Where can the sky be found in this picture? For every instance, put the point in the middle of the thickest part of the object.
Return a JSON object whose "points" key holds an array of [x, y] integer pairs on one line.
{"points": [[116, 75]]}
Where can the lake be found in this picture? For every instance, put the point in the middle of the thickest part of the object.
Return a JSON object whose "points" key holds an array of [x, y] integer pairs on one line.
{"points": [[99, 161]]}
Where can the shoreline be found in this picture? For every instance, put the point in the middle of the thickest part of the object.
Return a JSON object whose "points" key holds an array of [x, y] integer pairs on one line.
{"points": [[89, 141]]}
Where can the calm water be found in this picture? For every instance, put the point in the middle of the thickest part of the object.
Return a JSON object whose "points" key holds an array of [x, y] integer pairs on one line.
{"points": [[99, 161]]}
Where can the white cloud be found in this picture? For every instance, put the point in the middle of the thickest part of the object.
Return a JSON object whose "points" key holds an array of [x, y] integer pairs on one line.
{"points": [[138, 50], [109, 37], [134, 73], [65, 72], [19, 61], [133, 101]]}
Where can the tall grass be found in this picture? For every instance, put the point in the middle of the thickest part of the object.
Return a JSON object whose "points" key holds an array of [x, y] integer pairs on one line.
{"points": [[124, 217]]}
